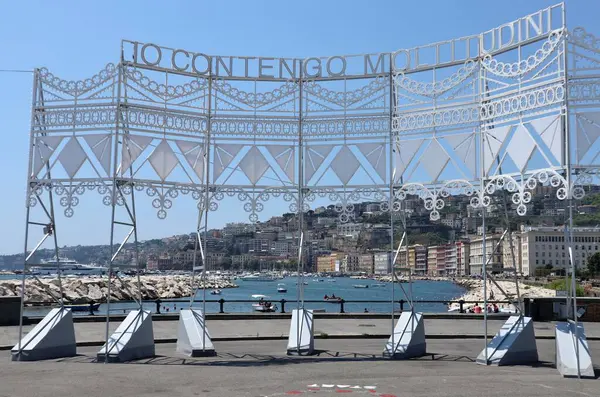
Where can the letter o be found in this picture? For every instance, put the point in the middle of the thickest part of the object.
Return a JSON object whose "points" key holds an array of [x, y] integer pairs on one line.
{"points": [[208, 63], [407, 65], [158, 52], [174, 64], [342, 71]]}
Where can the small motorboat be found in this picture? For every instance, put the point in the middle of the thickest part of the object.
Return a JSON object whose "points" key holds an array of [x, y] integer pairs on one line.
{"points": [[215, 292], [281, 288], [379, 285], [361, 286], [337, 299], [304, 283], [263, 305]]}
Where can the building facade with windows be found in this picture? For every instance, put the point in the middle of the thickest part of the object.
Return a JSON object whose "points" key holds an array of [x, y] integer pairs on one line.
{"points": [[545, 247]]}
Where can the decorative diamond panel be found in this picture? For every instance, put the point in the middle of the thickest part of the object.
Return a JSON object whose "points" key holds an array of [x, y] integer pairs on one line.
{"points": [[72, 157], [163, 160], [254, 165], [345, 164]]}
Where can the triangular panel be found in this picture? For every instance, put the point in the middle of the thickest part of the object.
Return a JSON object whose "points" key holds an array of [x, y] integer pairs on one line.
{"points": [[404, 153], [224, 155], [194, 154], [44, 147], [345, 164], [521, 147], [315, 155], [588, 131], [133, 146], [101, 146], [284, 156], [72, 157], [254, 165], [434, 159], [375, 154], [549, 129], [464, 148], [493, 140]]}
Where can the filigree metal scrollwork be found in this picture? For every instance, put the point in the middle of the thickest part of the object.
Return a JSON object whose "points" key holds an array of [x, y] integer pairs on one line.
{"points": [[581, 37], [522, 189], [76, 88], [255, 99], [522, 67], [69, 193], [433, 197], [439, 87], [166, 91], [349, 97]]}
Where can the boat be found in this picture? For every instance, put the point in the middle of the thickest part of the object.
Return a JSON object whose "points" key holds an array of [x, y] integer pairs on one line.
{"points": [[66, 266], [304, 283], [379, 285], [337, 299], [281, 288], [263, 305], [83, 307], [361, 286], [258, 277], [215, 292]]}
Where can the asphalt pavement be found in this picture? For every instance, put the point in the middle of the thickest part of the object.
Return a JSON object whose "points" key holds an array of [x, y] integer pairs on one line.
{"points": [[260, 368]]}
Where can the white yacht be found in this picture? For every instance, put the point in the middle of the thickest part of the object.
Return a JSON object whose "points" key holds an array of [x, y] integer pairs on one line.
{"points": [[67, 266], [258, 277]]}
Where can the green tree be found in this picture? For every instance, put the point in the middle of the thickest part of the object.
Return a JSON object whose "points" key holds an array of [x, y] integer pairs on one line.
{"points": [[593, 264]]}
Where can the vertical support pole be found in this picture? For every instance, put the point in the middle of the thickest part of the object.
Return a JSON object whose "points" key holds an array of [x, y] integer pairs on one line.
{"points": [[392, 171], [569, 179], [132, 213], [28, 208], [206, 206], [300, 283], [115, 171], [484, 269]]}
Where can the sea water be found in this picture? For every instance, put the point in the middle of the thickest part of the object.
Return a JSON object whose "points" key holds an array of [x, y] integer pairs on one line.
{"points": [[379, 295]]}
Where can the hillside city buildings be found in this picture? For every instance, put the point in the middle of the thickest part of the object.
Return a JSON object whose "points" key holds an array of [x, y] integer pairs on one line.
{"points": [[362, 245]]}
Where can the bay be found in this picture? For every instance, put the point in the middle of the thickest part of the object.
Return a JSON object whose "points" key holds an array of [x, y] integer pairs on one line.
{"points": [[315, 290]]}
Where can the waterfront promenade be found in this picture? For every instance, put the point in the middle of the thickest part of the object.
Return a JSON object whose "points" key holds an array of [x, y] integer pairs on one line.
{"points": [[354, 326], [259, 368]]}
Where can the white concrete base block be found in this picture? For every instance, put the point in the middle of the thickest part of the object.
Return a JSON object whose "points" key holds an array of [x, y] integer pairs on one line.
{"points": [[193, 338], [133, 339], [301, 340], [567, 341], [513, 344], [53, 337], [408, 340]]}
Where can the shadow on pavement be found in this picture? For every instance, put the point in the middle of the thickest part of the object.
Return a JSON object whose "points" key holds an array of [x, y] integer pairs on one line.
{"points": [[249, 359]]}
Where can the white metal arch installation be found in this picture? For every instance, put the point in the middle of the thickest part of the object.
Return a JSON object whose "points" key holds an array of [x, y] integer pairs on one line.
{"points": [[509, 109]]}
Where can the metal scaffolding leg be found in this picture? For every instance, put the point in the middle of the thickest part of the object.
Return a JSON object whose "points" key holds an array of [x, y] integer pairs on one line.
{"points": [[54, 336], [133, 338]]}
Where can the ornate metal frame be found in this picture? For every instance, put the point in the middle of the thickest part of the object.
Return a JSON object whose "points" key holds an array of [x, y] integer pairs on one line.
{"points": [[508, 109]]}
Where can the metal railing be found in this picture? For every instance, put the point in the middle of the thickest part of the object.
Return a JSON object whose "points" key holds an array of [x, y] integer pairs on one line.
{"points": [[283, 302]]}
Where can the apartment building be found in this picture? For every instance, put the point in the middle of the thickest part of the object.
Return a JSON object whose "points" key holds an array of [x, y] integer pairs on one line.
{"points": [[476, 255], [546, 246], [382, 263]]}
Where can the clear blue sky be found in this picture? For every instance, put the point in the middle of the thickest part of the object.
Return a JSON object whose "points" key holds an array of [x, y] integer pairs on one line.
{"points": [[75, 39]]}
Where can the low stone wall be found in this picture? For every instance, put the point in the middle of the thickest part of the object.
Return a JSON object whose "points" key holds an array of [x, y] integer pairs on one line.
{"points": [[10, 309]]}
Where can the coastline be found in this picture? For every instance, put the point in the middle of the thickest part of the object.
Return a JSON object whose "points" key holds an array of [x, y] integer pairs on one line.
{"points": [[94, 289], [474, 291]]}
